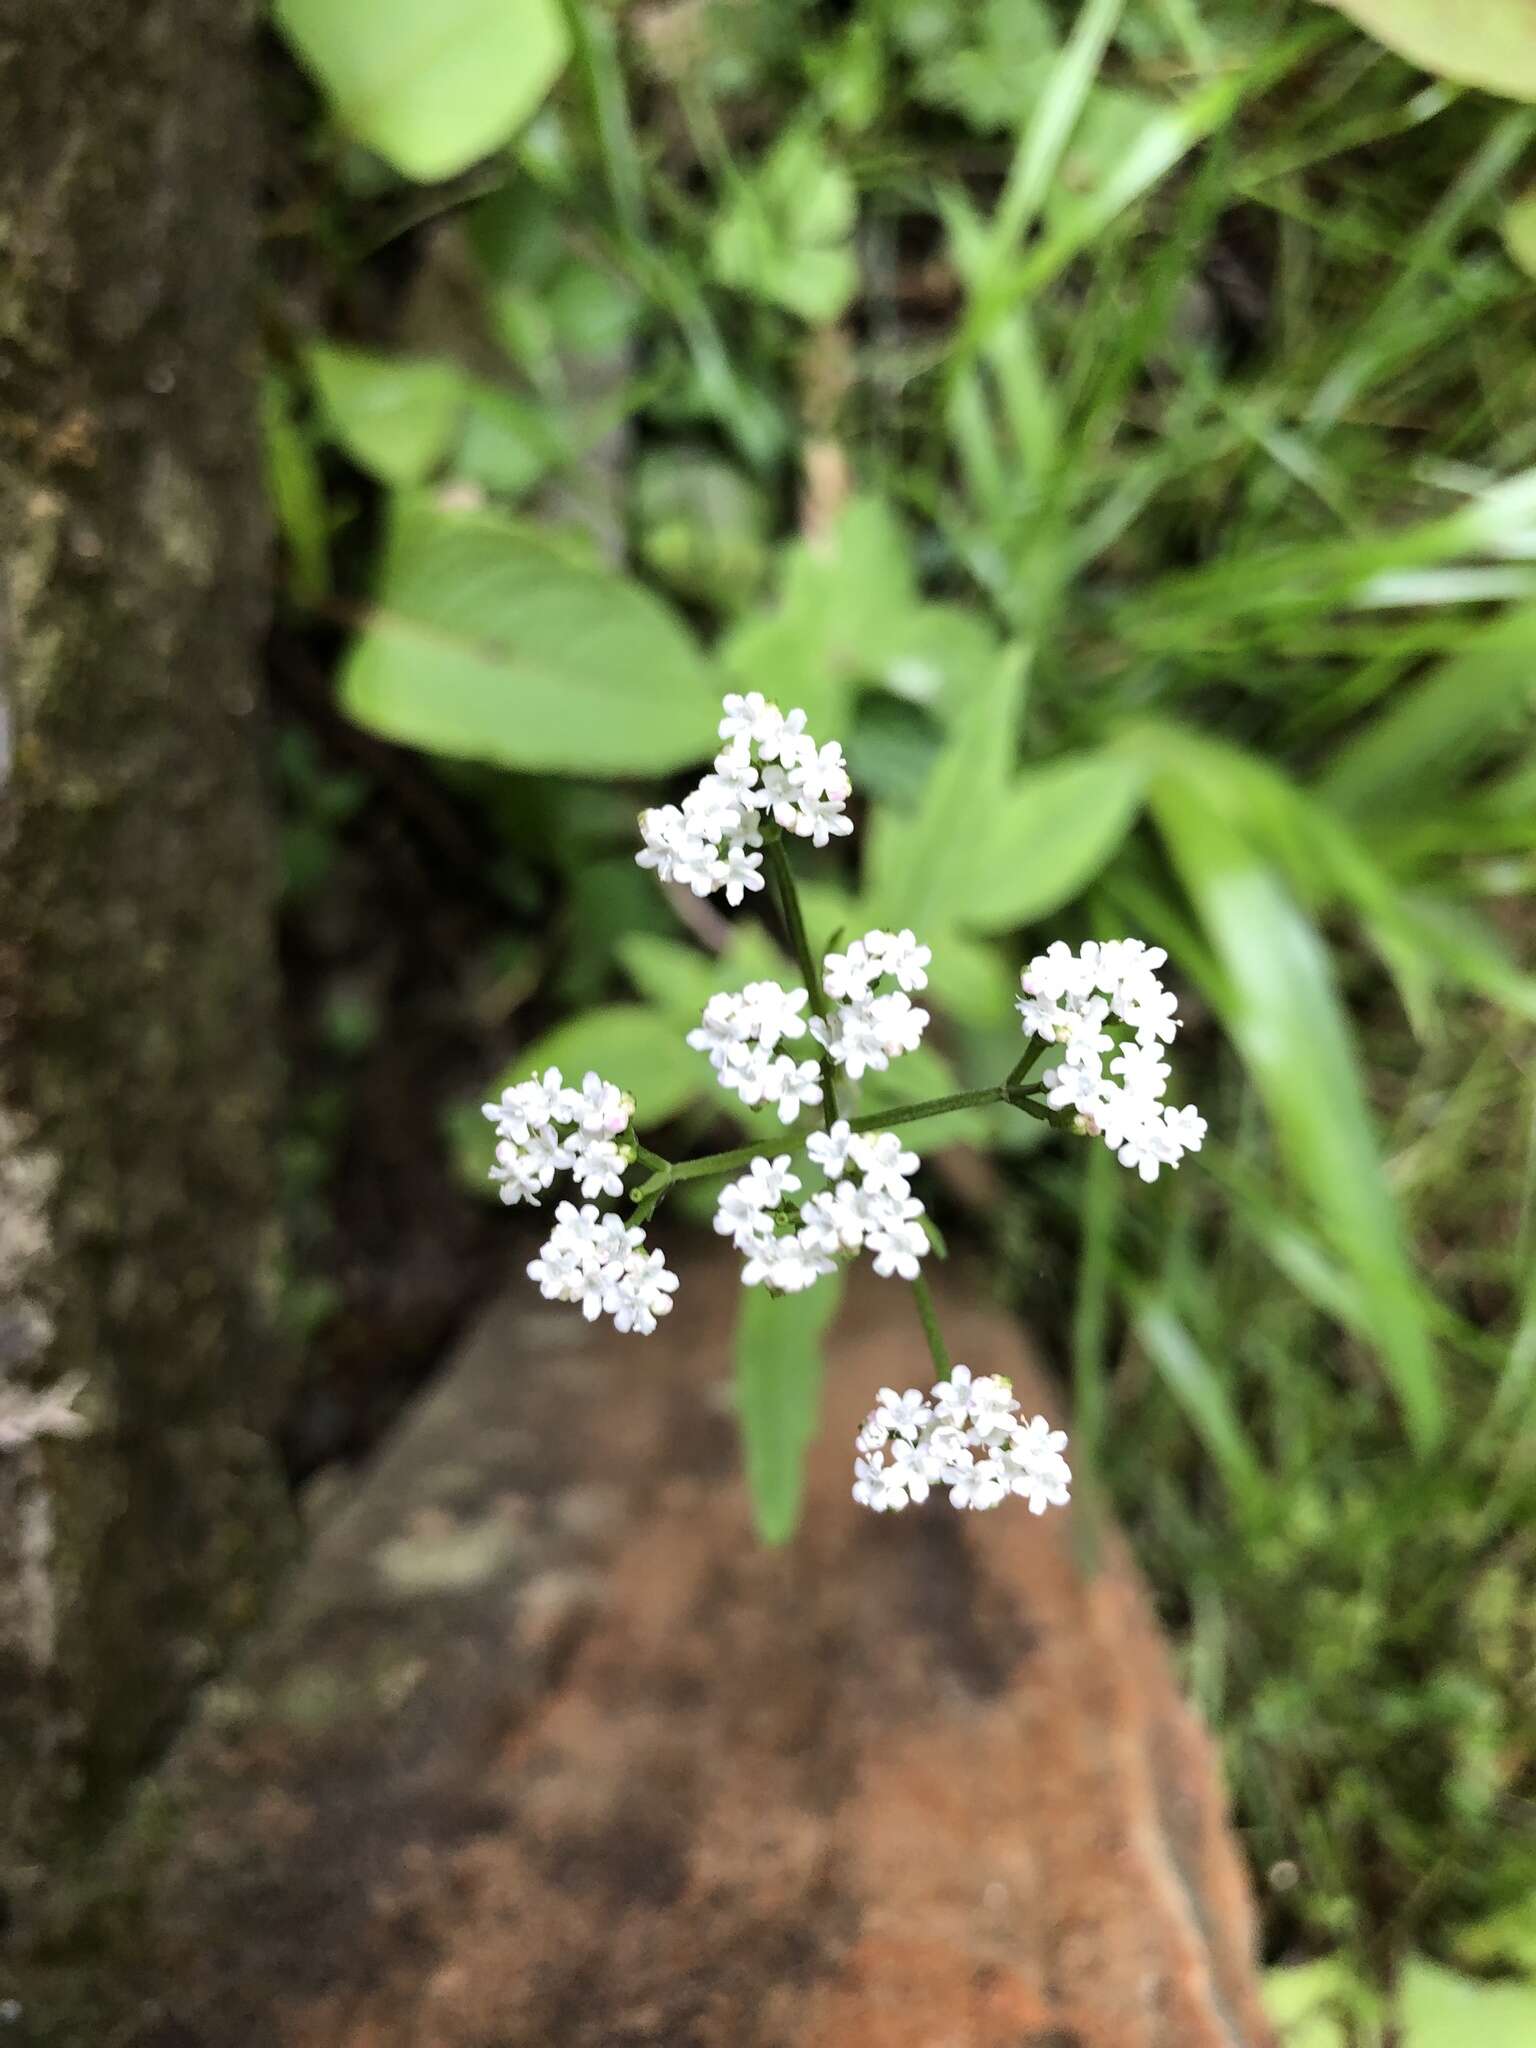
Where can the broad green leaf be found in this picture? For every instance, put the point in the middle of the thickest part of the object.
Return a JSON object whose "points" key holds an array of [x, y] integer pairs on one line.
{"points": [[1282, 1009], [1197, 1387], [1429, 735], [922, 875], [1491, 43], [394, 415], [932, 654], [493, 642], [1440, 2009], [1054, 830], [628, 1044], [430, 84], [779, 1369], [784, 234]]}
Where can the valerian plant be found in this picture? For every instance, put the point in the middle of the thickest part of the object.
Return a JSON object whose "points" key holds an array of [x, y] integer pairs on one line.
{"points": [[800, 1209]]}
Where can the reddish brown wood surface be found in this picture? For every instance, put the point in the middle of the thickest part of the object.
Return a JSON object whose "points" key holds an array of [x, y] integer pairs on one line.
{"points": [[549, 1754]]}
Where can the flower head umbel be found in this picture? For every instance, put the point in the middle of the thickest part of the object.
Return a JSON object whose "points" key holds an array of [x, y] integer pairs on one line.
{"points": [[605, 1268], [1114, 1084], [742, 1035], [544, 1128], [768, 769], [868, 1206], [873, 1022], [966, 1436]]}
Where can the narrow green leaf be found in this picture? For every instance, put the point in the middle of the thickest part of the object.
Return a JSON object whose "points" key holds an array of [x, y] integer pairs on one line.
{"points": [[779, 1370], [1429, 736], [1195, 1384], [430, 84], [1280, 1004], [297, 491], [1053, 831], [493, 642], [627, 1044]]}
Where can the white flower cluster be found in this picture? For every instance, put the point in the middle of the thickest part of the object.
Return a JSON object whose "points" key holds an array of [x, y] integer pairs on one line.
{"points": [[1116, 1085], [768, 767], [742, 1035], [969, 1436], [867, 1206], [594, 1261], [873, 1023], [544, 1128]]}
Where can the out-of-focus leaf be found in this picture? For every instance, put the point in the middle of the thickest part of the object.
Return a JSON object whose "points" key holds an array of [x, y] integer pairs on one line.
{"points": [[923, 874], [678, 980], [430, 84], [702, 526], [507, 444], [1054, 830], [841, 592], [779, 1370], [933, 654], [628, 1044], [1491, 43], [296, 491], [1430, 735], [1196, 1385], [493, 642], [394, 415], [891, 749], [987, 63], [1282, 1009], [1518, 227], [784, 234]]}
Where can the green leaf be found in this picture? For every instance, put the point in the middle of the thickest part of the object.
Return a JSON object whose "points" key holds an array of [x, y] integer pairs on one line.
{"points": [[1054, 830], [395, 416], [783, 236], [779, 1370], [922, 874], [1431, 735], [841, 593], [628, 1044], [1279, 1002], [430, 84], [296, 489], [1440, 2009], [1196, 1385], [678, 980], [1491, 43], [1518, 227], [493, 642]]}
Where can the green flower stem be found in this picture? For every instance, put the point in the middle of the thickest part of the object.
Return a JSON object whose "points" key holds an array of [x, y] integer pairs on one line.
{"points": [[877, 1120], [929, 1318], [1021, 1065], [777, 862]]}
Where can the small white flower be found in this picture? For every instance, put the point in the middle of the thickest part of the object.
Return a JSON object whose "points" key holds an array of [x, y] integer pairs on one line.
{"points": [[902, 1414], [829, 1149]]}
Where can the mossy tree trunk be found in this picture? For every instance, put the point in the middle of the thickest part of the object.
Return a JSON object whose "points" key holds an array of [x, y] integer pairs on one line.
{"points": [[137, 1252]]}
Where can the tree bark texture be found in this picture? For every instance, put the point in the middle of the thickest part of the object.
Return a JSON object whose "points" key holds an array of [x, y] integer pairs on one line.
{"points": [[137, 1245]]}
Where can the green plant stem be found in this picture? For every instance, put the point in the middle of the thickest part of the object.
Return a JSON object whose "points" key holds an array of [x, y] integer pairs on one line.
{"points": [[928, 1316], [1020, 1067], [777, 862], [670, 1176]]}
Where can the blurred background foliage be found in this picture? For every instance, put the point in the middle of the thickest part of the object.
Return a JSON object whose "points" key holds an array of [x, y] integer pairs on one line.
{"points": [[1118, 423]]}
